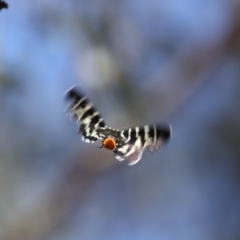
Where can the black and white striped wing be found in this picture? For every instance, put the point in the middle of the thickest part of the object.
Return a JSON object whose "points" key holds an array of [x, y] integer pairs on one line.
{"points": [[138, 138], [83, 111]]}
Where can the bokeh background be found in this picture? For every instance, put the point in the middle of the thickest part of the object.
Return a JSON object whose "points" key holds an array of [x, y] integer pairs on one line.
{"points": [[140, 62]]}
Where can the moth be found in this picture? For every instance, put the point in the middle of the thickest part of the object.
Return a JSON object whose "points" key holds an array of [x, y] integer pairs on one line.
{"points": [[127, 143]]}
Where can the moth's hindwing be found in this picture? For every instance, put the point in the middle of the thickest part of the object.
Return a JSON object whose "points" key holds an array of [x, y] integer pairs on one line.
{"points": [[84, 112], [137, 139]]}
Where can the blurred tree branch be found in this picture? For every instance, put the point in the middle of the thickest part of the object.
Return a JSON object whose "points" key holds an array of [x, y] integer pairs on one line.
{"points": [[196, 68], [3, 5]]}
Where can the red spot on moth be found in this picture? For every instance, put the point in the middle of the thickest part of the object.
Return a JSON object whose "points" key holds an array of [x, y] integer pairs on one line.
{"points": [[109, 143]]}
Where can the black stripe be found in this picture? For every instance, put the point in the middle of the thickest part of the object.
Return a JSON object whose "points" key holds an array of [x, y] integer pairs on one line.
{"points": [[88, 113], [82, 104], [133, 136], [74, 95], [151, 132], [95, 123], [125, 133], [95, 119], [102, 124], [82, 129], [141, 133], [163, 132]]}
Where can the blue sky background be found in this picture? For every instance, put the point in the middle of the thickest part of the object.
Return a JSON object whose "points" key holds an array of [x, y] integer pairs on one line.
{"points": [[140, 62]]}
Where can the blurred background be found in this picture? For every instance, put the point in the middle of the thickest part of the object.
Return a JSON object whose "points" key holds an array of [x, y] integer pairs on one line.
{"points": [[140, 62]]}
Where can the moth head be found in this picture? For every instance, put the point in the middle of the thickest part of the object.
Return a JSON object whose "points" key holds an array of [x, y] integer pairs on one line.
{"points": [[109, 143]]}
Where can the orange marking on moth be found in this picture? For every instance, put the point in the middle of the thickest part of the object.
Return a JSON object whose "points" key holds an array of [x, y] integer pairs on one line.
{"points": [[109, 143]]}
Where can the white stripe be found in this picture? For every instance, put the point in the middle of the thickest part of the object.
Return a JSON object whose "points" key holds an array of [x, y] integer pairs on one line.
{"points": [[135, 154], [124, 149], [87, 107], [146, 136], [78, 103], [122, 135], [137, 145], [81, 111], [129, 134], [119, 158], [137, 130], [97, 124], [89, 118], [155, 134]]}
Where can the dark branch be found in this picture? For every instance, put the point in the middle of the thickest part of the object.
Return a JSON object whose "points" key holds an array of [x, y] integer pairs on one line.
{"points": [[3, 5]]}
